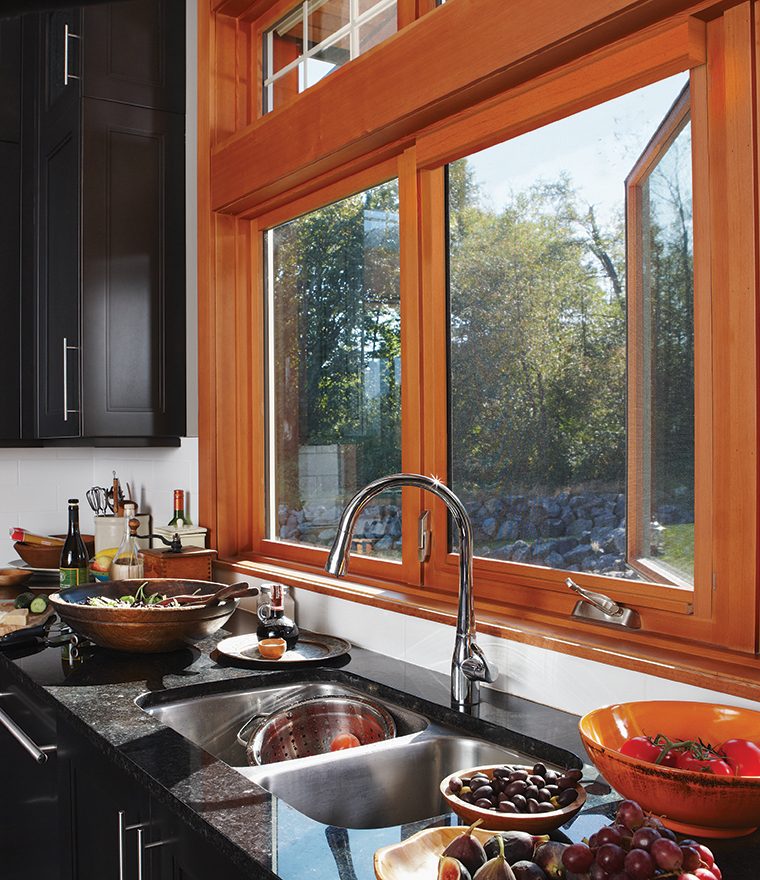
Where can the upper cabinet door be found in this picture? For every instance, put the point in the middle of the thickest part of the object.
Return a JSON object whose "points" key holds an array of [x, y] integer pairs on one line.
{"points": [[134, 52], [133, 271]]}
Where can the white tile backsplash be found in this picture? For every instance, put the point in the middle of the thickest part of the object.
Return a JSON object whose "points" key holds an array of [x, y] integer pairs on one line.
{"points": [[573, 684], [35, 484]]}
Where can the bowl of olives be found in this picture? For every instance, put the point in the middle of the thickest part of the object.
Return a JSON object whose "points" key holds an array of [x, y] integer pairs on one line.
{"points": [[535, 799]]}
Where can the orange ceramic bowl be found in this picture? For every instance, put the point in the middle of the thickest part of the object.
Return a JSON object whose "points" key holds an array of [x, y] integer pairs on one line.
{"points": [[693, 803]]}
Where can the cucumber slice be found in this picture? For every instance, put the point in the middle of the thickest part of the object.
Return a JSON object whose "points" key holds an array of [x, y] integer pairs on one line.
{"points": [[38, 605], [23, 600]]}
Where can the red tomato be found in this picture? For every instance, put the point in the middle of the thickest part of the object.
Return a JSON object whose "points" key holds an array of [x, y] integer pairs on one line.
{"points": [[344, 741], [743, 756], [640, 747], [714, 764]]}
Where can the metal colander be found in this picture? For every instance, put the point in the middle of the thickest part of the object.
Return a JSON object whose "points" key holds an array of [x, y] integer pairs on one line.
{"points": [[310, 726]]}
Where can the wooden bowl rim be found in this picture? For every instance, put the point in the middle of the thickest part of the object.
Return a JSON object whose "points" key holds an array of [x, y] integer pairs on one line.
{"points": [[451, 798], [677, 774], [382, 853], [165, 614]]}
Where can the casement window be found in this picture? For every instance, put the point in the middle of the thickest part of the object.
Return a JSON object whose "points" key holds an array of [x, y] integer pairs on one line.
{"points": [[544, 296]]}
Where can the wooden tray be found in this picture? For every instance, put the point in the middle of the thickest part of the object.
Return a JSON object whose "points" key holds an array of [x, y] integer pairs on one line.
{"points": [[31, 620], [416, 858], [311, 648]]}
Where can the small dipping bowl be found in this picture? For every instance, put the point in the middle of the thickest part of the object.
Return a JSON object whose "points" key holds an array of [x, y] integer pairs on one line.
{"points": [[272, 649]]}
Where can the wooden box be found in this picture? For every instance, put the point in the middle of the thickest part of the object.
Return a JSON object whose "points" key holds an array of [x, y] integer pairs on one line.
{"points": [[191, 562]]}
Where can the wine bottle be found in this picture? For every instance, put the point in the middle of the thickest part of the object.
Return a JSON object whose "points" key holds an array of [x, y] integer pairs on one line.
{"points": [[75, 563], [273, 624], [180, 519]]}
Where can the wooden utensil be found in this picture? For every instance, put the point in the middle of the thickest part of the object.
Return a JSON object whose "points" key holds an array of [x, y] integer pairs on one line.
{"points": [[230, 591]]}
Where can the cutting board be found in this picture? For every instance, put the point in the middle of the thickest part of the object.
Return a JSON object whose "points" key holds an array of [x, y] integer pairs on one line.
{"points": [[31, 619]]}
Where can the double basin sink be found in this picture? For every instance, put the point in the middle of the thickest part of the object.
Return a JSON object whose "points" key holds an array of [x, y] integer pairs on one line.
{"points": [[371, 786]]}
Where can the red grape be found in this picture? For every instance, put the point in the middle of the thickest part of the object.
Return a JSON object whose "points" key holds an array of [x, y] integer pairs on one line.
{"points": [[644, 838], [718, 873], [705, 874], [691, 859], [608, 834], [630, 814], [639, 865], [577, 858], [610, 857], [705, 854], [687, 877], [597, 872], [667, 855]]}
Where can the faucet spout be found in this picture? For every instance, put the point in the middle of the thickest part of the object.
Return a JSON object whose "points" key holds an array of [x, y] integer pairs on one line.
{"points": [[468, 665]]}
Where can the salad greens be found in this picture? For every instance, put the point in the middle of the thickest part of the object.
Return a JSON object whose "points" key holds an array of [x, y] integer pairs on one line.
{"points": [[139, 600]]}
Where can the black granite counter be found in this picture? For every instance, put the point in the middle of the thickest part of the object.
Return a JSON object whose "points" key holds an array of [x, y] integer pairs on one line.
{"points": [[255, 830]]}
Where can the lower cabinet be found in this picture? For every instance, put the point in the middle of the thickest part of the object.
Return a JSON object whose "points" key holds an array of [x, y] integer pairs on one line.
{"points": [[114, 829], [29, 831]]}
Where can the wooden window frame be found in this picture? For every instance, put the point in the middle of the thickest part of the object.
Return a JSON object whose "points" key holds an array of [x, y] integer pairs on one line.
{"points": [[529, 71]]}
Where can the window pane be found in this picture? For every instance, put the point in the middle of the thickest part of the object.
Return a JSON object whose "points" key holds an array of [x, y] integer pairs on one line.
{"points": [[538, 335], [325, 18], [377, 29], [666, 253], [326, 60], [335, 374], [286, 41]]}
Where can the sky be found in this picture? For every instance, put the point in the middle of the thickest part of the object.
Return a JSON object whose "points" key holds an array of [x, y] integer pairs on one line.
{"points": [[597, 147]]}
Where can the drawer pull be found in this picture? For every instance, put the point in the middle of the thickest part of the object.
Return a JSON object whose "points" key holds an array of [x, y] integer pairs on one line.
{"points": [[40, 755]]}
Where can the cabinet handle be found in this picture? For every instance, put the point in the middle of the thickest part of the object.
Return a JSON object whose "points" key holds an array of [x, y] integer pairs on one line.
{"points": [[66, 349], [137, 826], [142, 847], [67, 35], [38, 754]]}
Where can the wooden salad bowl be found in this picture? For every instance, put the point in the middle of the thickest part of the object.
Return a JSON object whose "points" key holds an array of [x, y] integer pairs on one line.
{"points": [[142, 630], [41, 556]]}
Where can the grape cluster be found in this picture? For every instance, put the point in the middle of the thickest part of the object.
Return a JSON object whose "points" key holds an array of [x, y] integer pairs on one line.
{"points": [[638, 847]]}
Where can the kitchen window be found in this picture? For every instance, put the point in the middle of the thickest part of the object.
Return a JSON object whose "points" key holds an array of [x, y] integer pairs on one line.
{"points": [[579, 352], [317, 37], [334, 367]]}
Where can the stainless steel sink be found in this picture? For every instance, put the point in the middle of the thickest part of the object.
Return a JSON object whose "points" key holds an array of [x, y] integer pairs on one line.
{"points": [[373, 786]]}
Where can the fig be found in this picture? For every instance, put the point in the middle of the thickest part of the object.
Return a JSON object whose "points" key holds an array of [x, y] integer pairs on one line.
{"points": [[495, 869], [525, 870], [467, 849], [452, 869], [518, 845], [548, 857]]}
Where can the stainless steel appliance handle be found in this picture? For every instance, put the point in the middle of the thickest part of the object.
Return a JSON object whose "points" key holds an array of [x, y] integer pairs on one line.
{"points": [[39, 755], [137, 826], [121, 844], [67, 35], [66, 349]]}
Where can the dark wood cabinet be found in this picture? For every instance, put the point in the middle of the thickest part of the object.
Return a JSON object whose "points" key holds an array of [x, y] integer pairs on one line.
{"points": [[92, 224], [133, 280], [29, 818], [134, 52], [111, 247]]}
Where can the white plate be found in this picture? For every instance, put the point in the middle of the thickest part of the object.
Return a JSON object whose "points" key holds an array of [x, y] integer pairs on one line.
{"points": [[19, 563]]}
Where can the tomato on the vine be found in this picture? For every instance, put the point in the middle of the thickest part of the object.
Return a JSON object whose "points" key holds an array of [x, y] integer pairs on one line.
{"points": [[640, 747], [742, 755], [708, 764]]}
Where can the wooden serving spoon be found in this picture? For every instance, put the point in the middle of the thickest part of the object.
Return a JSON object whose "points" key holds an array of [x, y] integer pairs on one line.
{"points": [[229, 591]]}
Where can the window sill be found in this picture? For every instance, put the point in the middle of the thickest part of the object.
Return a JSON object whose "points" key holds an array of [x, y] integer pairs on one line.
{"points": [[689, 663]]}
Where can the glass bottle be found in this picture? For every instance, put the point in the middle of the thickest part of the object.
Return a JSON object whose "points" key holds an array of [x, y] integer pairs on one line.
{"points": [[74, 566], [273, 624], [128, 563], [180, 519]]}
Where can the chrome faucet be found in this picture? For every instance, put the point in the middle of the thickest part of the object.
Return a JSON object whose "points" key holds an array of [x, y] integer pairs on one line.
{"points": [[468, 665]]}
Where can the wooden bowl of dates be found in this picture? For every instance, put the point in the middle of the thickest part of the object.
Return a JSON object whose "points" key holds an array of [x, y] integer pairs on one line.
{"points": [[145, 630], [502, 792]]}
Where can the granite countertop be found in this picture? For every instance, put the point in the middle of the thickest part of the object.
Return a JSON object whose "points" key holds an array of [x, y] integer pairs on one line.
{"points": [[256, 830]]}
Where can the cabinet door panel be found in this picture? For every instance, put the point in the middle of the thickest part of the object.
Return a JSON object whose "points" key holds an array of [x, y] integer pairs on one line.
{"points": [[133, 325], [10, 80], [58, 280], [10, 291], [29, 833], [134, 52], [93, 794]]}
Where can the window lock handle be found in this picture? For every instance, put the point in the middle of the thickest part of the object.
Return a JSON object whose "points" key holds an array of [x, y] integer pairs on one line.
{"points": [[602, 609]]}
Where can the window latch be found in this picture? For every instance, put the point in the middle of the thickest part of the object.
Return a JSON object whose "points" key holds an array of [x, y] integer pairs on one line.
{"points": [[599, 608], [423, 536]]}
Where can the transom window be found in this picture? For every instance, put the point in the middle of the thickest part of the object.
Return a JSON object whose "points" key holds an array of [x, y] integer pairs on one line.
{"points": [[316, 38]]}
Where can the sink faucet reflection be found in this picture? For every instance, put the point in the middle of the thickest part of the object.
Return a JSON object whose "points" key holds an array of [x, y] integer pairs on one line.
{"points": [[468, 665]]}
